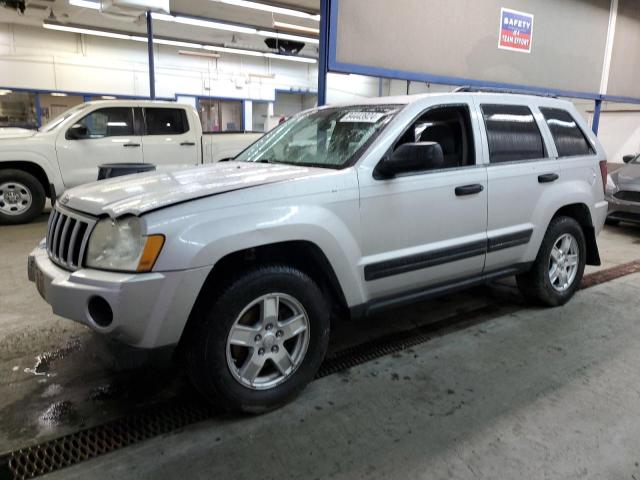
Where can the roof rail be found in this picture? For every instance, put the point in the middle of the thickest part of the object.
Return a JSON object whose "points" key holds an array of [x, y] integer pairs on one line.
{"points": [[468, 88]]}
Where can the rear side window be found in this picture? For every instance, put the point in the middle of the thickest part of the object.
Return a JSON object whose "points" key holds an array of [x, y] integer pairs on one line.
{"points": [[569, 139], [512, 133], [166, 121]]}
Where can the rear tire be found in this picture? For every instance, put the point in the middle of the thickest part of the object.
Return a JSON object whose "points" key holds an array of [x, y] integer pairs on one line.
{"points": [[612, 222], [557, 271], [22, 197], [260, 341]]}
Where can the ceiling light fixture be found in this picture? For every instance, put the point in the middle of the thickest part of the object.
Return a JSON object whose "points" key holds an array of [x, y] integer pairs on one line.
{"points": [[108, 97], [290, 27], [5, 92], [198, 54], [85, 4], [270, 8], [198, 22], [287, 36], [58, 94], [176, 43], [229, 27]]}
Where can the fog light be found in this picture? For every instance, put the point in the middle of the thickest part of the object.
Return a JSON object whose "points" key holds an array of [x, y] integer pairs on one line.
{"points": [[100, 311]]}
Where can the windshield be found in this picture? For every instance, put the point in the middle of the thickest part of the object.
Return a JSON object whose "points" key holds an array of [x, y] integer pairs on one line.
{"points": [[328, 138], [62, 117]]}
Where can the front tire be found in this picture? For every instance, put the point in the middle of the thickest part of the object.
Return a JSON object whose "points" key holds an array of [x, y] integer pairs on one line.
{"points": [[260, 341], [557, 271], [22, 197]]}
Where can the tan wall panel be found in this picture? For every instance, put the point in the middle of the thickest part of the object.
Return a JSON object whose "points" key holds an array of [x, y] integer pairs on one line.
{"points": [[459, 38]]}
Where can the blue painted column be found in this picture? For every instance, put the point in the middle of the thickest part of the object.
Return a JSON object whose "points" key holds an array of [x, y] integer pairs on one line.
{"points": [[596, 116], [323, 52], [152, 74]]}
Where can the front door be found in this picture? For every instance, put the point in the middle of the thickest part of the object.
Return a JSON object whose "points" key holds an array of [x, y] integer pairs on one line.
{"points": [[108, 137], [427, 227]]}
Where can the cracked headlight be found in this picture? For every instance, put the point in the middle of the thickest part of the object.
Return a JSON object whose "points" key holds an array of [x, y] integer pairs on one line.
{"points": [[121, 246]]}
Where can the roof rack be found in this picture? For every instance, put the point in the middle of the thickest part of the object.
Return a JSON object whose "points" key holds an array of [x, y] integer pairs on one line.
{"points": [[469, 88]]}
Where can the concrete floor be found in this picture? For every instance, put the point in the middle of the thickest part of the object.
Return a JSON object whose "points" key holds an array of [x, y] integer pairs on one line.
{"points": [[529, 393]]}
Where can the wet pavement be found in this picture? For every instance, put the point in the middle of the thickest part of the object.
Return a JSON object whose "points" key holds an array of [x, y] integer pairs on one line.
{"points": [[57, 376]]}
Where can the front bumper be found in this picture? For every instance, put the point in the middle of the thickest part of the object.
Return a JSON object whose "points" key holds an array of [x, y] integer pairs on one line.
{"points": [[622, 210], [148, 310]]}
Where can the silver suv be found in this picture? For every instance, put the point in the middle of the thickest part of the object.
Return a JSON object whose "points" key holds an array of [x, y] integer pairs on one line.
{"points": [[340, 211]]}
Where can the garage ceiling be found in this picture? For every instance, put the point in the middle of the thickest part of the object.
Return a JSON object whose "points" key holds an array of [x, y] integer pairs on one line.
{"points": [[39, 10]]}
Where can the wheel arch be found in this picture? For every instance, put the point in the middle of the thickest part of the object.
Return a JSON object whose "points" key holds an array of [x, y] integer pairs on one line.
{"points": [[580, 212], [33, 169], [303, 255]]}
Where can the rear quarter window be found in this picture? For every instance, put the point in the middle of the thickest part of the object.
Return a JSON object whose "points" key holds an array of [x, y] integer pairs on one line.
{"points": [[512, 133], [570, 140]]}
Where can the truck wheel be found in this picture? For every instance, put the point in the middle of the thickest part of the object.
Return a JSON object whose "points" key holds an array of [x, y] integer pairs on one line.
{"points": [[557, 271], [260, 341], [21, 197]]}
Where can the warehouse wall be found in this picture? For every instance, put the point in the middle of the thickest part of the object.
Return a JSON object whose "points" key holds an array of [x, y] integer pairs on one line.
{"points": [[31, 57]]}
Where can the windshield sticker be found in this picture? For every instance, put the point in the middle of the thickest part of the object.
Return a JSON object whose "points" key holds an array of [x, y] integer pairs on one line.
{"points": [[363, 117]]}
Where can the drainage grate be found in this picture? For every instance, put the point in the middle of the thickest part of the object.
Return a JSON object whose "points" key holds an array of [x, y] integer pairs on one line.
{"points": [[77, 447], [86, 444]]}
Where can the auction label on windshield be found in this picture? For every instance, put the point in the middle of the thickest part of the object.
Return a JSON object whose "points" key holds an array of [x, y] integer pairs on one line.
{"points": [[363, 117], [516, 30]]}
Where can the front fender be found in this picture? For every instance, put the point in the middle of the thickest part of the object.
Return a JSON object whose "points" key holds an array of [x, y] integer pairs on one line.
{"points": [[208, 238]]}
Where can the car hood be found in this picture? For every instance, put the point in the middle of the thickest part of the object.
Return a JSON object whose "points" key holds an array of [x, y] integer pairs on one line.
{"points": [[140, 193], [11, 133], [628, 177]]}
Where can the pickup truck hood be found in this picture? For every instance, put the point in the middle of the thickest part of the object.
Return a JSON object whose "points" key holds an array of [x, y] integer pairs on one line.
{"points": [[11, 132], [143, 192]]}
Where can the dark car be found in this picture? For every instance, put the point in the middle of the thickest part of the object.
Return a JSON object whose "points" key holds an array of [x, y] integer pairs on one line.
{"points": [[623, 192]]}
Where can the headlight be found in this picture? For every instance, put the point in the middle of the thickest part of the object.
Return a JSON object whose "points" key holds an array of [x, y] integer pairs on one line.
{"points": [[120, 245]]}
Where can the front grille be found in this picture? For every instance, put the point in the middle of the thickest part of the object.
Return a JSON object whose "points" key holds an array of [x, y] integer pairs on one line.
{"points": [[628, 195], [67, 237]]}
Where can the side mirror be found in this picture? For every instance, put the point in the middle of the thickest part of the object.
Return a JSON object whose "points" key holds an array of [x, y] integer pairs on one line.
{"points": [[410, 157], [628, 158], [77, 132]]}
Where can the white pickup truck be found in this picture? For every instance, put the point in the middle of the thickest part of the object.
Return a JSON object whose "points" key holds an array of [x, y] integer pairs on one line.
{"points": [[67, 151]]}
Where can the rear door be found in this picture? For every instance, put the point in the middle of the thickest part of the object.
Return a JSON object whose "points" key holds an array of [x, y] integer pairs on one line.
{"points": [[110, 138], [168, 140], [520, 170]]}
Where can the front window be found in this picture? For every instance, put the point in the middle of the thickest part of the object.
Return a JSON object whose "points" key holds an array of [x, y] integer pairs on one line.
{"points": [[329, 138]]}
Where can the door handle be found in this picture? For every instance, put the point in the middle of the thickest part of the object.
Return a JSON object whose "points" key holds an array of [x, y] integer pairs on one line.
{"points": [[130, 144], [187, 144], [469, 189], [547, 178]]}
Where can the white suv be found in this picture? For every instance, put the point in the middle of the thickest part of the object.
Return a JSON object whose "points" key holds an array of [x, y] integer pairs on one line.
{"points": [[347, 209]]}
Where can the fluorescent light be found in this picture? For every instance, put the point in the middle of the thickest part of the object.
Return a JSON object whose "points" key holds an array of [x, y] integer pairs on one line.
{"points": [[89, 31], [198, 54], [296, 28], [287, 36], [108, 97], [177, 43], [238, 51], [85, 4], [270, 8], [198, 22], [290, 57], [229, 27], [58, 94], [5, 92]]}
